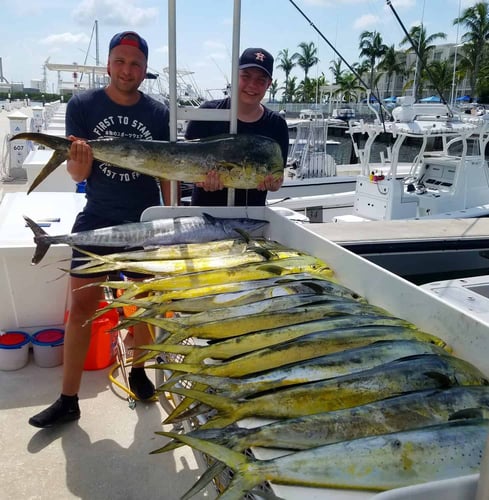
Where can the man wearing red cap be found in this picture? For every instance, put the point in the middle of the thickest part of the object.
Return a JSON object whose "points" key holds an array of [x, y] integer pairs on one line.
{"points": [[114, 196], [255, 76]]}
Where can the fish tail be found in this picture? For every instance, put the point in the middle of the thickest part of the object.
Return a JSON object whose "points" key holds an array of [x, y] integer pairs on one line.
{"points": [[214, 470], [223, 405], [41, 239], [176, 367], [172, 445], [182, 411], [249, 474], [61, 153]]}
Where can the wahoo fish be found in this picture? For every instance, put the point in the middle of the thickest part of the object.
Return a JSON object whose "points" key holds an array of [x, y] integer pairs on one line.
{"points": [[156, 232], [242, 161], [375, 463], [411, 373]]}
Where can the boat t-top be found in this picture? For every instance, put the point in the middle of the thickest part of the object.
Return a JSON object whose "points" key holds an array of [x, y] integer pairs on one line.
{"points": [[449, 177]]}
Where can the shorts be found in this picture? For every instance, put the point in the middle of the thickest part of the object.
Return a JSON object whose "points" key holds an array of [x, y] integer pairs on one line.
{"points": [[86, 222]]}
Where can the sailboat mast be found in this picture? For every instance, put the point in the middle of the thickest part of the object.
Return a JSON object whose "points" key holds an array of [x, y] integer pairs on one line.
{"points": [[97, 59]]}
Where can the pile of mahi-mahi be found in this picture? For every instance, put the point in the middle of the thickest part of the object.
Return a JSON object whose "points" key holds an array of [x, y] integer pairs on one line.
{"points": [[358, 399]]}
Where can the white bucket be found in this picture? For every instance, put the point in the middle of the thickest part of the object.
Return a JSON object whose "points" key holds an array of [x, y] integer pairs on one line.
{"points": [[14, 350], [48, 347]]}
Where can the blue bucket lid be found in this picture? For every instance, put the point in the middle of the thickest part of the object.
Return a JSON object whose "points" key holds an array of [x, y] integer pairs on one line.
{"points": [[14, 340], [48, 336]]}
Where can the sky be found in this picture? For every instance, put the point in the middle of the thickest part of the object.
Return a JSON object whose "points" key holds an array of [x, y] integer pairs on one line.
{"points": [[31, 31]]}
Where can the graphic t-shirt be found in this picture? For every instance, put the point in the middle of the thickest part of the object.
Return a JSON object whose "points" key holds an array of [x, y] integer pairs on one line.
{"points": [[112, 192]]}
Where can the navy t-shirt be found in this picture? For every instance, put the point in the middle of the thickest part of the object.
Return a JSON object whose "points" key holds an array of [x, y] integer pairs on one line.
{"points": [[114, 193], [271, 125]]}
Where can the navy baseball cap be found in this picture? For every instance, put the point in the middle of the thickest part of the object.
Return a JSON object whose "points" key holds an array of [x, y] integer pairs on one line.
{"points": [[129, 38], [257, 58]]}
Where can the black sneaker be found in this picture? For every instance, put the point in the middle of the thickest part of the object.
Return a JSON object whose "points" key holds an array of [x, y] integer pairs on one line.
{"points": [[58, 413], [140, 384]]}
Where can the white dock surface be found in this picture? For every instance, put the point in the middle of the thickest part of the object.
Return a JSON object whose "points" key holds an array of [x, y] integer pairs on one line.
{"points": [[402, 230]]}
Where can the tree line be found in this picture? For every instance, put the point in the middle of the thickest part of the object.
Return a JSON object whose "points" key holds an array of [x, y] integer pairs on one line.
{"points": [[377, 60]]}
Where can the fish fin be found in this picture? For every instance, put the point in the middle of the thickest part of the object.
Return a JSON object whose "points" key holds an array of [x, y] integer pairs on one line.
{"points": [[261, 250], [40, 239], [54, 162], [468, 413], [246, 236], [271, 268], [249, 471], [231, 458], [176, 367], [214, 470], [183, 407], [223, 405], [210, 218], [174, 349], [172, 445]]}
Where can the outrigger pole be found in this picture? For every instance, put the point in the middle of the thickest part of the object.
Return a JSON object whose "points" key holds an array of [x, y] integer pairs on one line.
{"points": [[359, 78], [415, 48]]}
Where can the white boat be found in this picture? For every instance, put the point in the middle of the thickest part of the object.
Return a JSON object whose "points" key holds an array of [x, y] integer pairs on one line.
{"points": [[312, 169], [449, 177]]}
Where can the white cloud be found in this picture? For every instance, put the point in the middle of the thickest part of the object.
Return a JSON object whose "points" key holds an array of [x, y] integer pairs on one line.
{"points": [[114, 12], [65, 39], [366, 21]]}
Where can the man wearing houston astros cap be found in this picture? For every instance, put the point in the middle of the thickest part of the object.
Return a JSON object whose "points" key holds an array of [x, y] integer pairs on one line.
{"points": [[255, 77], [114, 196]]}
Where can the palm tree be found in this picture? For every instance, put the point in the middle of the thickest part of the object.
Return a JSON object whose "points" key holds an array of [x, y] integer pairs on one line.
{"points": [[423, 45], [476, 20], [335, 69], [349, 87], [307, 58], [286, 64], [372, 48], [442, 74], [391, 65], [272, 90], [291, 89]]}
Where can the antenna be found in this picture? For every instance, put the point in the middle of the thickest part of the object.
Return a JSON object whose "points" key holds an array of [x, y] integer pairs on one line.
{"points": [[415, 48]]}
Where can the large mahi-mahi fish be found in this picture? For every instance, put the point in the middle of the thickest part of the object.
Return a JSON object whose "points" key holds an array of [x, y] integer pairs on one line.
{"points": [[243, 161]]}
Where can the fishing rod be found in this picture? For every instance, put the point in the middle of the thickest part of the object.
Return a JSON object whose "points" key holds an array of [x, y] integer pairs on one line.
{"points": [[413, 45], [340, 56]]}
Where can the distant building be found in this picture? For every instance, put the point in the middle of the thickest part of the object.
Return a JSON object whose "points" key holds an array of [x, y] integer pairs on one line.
{"points": [[442, 52]]}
